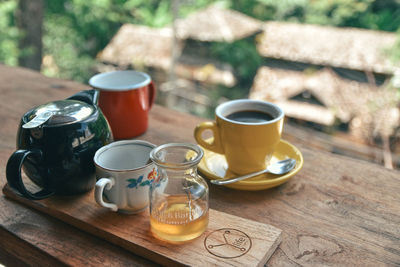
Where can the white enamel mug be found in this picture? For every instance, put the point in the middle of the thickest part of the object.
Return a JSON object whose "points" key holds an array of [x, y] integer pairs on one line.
{"points": [[124, 174]]}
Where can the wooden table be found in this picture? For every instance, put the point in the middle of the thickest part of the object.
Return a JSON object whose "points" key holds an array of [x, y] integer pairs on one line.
{"points": [[336, 211]]}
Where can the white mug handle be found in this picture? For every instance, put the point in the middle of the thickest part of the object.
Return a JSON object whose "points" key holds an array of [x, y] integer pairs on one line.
{"points": [[98, 192]]}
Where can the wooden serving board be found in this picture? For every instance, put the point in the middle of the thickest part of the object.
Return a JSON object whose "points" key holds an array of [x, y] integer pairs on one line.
{"points": [[228, 241]]}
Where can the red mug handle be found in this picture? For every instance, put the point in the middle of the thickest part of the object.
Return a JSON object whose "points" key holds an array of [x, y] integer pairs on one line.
{"points": [[152, 94]]}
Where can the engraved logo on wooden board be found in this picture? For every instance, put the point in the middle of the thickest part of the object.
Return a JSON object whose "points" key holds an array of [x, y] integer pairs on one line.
{"points": [[227, 243]]}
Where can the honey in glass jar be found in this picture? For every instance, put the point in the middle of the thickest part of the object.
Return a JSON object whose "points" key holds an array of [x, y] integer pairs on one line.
{"points": [[179, 195]]}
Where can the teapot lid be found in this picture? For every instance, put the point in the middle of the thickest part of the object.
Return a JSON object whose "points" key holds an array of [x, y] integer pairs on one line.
{"points": [[57, 113]]}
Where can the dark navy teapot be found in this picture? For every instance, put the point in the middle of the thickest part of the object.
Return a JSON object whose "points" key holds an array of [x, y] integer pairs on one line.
{"points": [[56, 143]]}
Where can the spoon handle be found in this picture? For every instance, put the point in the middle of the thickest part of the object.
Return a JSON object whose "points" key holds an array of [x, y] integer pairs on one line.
{"points": [[236, 179]]}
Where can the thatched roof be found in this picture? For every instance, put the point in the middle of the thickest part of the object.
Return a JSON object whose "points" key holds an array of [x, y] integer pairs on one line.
{"points": [[350, 48], [144, 46], [149, 47], [135, 44], [208, 73], [368, 109], [307, 112], [215, 24]]}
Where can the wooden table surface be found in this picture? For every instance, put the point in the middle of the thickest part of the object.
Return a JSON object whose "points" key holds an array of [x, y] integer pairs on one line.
{"points": [[336, 211]]}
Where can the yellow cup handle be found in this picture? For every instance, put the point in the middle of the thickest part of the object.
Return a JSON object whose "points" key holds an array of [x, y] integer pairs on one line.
{"points": [[215, 145]]}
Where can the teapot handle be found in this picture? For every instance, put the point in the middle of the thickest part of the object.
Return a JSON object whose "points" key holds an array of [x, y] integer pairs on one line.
{"points": [[13, 173], [88, 96]]}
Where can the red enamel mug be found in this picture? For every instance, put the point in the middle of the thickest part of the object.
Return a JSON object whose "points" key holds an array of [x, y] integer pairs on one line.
{"points": [[125, 99]]}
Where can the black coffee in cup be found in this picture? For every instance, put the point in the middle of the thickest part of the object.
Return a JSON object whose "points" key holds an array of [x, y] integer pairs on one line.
{"points": [[250, 116], [245, 131]]}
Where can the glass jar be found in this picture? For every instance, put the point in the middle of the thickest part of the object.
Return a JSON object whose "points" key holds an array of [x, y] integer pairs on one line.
{"points": [[179, 195]]}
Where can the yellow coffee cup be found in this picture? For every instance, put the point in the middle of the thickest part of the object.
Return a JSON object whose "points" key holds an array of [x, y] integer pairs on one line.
{"points": [[246, 131]]}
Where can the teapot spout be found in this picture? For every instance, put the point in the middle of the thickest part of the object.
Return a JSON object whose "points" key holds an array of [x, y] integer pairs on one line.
{"points": [[88, 96]]}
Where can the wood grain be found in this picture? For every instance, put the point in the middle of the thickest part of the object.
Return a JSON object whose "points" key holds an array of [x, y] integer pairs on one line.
{"points": [[257, 240], [132, 233], [337, 211]]}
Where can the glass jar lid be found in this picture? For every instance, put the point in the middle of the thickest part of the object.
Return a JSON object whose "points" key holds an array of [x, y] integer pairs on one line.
{"points": [[58, 113], [177, 155]]}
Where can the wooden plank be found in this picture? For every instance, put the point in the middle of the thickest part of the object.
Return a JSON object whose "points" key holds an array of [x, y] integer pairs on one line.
{"points": [[28, 255], [32, 238], [337, 211], [229, 240], [336, 144]]}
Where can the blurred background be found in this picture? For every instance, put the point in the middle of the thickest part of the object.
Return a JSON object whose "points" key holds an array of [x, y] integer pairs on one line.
{"points": [[333, 66]]}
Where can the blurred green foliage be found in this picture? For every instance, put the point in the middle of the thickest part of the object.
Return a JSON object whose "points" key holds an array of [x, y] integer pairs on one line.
{"points": [[369, 14], [76, 30], [8, 33], [242, 55]]}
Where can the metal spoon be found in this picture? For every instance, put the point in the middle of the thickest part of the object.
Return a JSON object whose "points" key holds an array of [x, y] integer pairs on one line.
{"points": [[279, 167]]}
